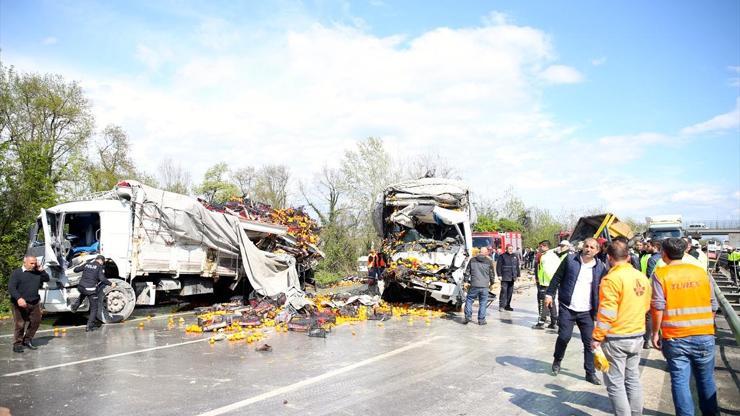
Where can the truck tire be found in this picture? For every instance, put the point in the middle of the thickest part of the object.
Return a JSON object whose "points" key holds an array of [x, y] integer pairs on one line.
{"points": [[116, 303]]}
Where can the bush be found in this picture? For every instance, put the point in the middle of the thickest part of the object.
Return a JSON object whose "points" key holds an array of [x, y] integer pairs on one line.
{"points": [[325, 278]]}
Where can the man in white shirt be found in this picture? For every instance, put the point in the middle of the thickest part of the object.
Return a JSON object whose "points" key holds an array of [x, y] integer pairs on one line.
{"points": [[577, 281]]}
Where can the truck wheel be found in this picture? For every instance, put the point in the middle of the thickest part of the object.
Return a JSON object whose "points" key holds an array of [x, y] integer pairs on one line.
{"points": [[117, 303]]}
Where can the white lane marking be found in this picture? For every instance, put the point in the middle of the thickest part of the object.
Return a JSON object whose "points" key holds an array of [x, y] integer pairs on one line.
{"points": [[313, 380], [106, 357], [59, 328]]}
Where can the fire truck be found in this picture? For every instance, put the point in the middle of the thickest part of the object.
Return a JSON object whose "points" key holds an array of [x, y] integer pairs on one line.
{"points": [[497, 241]]}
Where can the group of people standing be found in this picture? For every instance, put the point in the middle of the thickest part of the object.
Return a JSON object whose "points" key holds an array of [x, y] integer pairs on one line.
{"points": [[657, 294]]}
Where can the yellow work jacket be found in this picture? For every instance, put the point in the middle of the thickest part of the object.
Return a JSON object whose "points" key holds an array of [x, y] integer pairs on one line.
{"points": [[624, 299], [688, 301]]}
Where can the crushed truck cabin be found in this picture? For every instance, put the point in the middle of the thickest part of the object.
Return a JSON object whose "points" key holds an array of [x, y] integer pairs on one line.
{"points": [[425, 225]]}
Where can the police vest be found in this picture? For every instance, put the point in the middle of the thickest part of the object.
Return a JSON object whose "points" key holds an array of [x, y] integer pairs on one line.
{"points": [[688, 296], [644, 262], [549, 263]]}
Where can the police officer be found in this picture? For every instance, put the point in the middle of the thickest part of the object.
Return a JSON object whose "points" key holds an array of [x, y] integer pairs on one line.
{"points": [[93, 273]]}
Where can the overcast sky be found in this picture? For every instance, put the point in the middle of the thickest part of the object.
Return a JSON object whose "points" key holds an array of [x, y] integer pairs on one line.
{"points": [[629, 106]]}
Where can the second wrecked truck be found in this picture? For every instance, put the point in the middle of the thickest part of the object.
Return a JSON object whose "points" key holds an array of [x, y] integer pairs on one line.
{"points": [[426, 229]]}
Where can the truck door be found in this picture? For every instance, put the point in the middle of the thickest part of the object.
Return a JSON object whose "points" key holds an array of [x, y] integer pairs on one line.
{"points": [[41, 239]]}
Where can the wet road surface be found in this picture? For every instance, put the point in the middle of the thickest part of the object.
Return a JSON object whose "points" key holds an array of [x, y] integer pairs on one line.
{"points": [[397, 368]]}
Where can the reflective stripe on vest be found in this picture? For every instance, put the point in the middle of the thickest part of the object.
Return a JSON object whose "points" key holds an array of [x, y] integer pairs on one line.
{"points": [[688, 311], [603, 325], [688, 294], [688, 323], [608, 313]]}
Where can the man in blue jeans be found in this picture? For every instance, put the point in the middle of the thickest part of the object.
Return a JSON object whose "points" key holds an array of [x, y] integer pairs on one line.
{"points": [[683, 308], [479, 275]]}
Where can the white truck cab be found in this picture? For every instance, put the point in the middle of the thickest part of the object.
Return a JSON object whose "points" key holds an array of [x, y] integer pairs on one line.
{"points": [[70, 234]]}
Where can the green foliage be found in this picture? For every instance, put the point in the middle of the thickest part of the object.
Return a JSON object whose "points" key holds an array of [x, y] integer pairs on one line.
{"points": [[543, 227], [488, 223], [326, 278], [45, 124], [366, 171], [341, 250], [215, 187]]}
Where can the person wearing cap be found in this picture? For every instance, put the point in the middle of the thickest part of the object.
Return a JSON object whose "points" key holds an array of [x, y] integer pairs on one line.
{"points": [[93, 274]]}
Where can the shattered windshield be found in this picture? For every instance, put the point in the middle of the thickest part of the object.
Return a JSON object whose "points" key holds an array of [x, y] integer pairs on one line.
{"points": [[479, 242]]}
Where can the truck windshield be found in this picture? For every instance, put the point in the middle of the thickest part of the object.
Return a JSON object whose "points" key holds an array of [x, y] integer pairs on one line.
{"points": [[661, 234], [479, 242]]}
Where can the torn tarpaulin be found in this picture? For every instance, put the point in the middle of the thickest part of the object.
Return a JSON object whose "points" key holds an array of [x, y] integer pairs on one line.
{"points": [[185, 220]]}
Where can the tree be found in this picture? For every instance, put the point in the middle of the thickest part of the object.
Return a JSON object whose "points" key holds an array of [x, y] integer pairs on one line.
{"points": [[367, 171], [271, 185], [245, 179], [173, 178], [431, 165], [46, 121], [215, 188], [542, 227], [328, 201], [112, 161], [45, 124], [328, 194]]}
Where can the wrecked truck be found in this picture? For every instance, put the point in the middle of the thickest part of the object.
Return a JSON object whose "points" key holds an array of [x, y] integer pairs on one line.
{"points": [[426, 227], [155, 243]]}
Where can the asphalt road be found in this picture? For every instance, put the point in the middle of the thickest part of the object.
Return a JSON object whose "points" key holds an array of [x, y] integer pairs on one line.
{"points": [[399, 368]]}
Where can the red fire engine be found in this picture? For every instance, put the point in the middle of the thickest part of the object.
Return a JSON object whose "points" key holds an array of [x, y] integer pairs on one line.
{"points": [[497, 241]]}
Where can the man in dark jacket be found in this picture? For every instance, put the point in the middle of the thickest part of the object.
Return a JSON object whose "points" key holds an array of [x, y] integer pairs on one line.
{"points": [[93, 273], [577, 279], [23, 286], [507, 268], [479, 275]]}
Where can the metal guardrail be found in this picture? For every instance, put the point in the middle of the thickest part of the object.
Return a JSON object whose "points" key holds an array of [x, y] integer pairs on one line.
{"points": [[727, 310]]}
